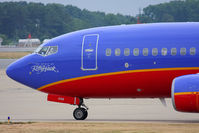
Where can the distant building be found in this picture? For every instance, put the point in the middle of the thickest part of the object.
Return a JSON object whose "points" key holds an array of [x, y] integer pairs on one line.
{"points": [[46, 40], [29, 42], [1, 40]]}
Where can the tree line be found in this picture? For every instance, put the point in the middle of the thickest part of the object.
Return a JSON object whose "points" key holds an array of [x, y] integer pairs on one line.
{"points": [[174, 11], [18, 19]]}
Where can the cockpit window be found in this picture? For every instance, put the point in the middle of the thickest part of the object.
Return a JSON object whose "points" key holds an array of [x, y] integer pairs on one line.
{"points": [[43, 51], [52, 50], [38, 49], [46, 50]]}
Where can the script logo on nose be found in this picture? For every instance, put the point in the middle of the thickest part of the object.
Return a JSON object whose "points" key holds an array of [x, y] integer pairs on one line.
{"points": [[44, 67]]}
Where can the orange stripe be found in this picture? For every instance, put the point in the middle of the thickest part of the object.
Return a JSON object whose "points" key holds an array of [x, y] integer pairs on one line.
{"points": [[115, 73], [185, 93]]}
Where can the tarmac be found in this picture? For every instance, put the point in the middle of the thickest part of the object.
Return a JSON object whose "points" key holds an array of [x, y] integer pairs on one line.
{"points": [[17, 49], [22, 103]]}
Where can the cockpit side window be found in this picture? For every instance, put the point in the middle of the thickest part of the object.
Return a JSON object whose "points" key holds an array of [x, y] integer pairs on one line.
{"points": [[38, 49], [46, 50], [43, 50]]}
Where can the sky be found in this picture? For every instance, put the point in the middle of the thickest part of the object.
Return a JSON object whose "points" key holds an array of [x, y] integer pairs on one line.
{"points": [[125, 7]]}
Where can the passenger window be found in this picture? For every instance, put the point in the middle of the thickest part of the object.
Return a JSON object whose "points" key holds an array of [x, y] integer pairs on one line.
{"points": [[126, 51], [164, 51], [154, 51], [117, 52], [136, 51], [173, 51], [192, 51], [108, 52], [145, 51], [183, 51], [52, 50], [43, 50]]}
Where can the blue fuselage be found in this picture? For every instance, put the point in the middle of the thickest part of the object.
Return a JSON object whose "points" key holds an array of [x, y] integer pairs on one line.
{"points": [[110, 50]]}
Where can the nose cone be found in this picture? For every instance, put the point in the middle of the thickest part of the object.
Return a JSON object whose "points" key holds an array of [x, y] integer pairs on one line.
{"points": [[18, 70], [9, 71], [13, 70]]}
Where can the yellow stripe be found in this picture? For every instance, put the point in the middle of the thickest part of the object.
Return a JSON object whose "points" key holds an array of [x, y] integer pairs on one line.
{"points": [[186, 93], [121, 72], [183, 93]]}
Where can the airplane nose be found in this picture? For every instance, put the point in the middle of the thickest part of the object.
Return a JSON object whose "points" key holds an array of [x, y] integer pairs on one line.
{"points": [[20, 71], [11, 71], [16, 70]]}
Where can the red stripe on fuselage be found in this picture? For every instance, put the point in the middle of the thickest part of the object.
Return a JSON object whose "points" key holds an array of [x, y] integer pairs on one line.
{"points": [[143, 84]]}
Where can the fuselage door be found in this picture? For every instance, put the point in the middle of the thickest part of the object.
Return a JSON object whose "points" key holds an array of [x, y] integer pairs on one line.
{"points": [[89, 52]]}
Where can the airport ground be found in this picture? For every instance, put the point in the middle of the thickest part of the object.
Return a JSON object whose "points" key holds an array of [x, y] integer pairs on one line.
{"points": [[12, 55], [15, 52], [26, 105], [98, 127]]}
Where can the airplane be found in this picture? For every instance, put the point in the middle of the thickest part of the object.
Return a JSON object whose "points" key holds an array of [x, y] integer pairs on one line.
{"points": [[158, 60]]}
